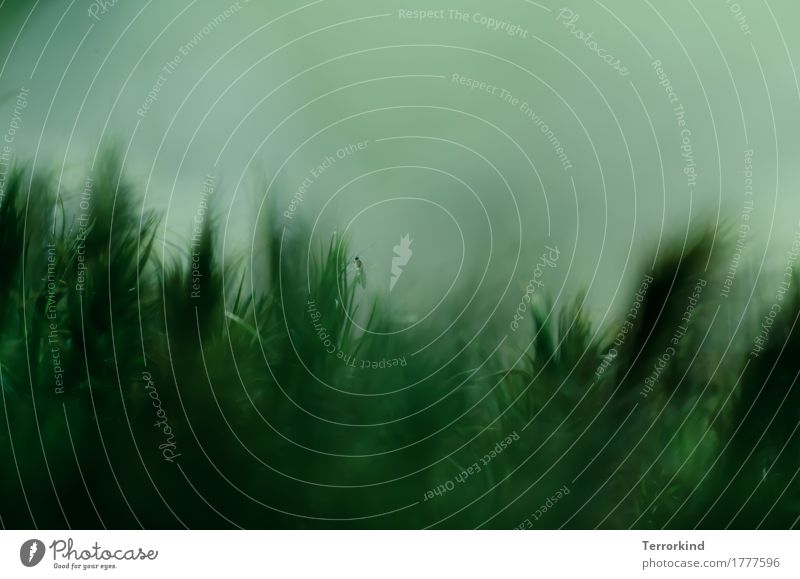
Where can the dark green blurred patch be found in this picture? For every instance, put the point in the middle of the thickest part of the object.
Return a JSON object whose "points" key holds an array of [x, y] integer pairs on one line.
{"points": [[133, 398]]}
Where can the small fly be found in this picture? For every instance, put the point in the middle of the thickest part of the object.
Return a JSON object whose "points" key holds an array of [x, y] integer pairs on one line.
{"points": [[361, 273], [359, 269]]}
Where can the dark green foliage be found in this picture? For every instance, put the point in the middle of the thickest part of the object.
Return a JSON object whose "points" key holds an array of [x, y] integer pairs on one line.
{"points": [[141, 390]]}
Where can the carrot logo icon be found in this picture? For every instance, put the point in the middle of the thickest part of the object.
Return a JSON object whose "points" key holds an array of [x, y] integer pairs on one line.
{"points": [[402, 255], [31, 553]]}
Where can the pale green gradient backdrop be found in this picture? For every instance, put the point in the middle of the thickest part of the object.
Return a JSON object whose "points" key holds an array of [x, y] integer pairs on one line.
{"points": [[341, 72]]}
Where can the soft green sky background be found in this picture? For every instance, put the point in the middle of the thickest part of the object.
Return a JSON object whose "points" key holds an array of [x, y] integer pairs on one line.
{"points": [[276, 88]]}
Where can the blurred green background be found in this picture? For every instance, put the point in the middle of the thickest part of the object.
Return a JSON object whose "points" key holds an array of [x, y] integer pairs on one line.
{"points": [[486, 132], [276, 87]]}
